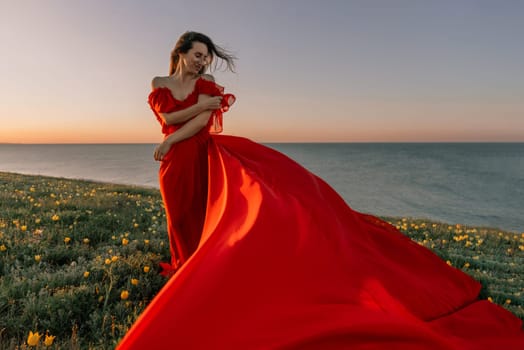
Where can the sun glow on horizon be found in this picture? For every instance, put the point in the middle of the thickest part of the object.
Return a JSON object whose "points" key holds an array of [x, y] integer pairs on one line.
{"points": [[394, 78]]}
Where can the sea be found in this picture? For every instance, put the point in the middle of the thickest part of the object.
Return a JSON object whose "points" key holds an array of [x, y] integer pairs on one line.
{"points": [[480, 184]]}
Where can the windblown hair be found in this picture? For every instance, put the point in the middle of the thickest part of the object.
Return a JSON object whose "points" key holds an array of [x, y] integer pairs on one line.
{"points": [[185, 43]]}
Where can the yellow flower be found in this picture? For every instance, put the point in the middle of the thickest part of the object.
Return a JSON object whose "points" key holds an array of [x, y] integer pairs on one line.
{"points": [[134, 281], [108, 261], [86, 274], [86, 240], [3, 248], [49, 340], [146, 241], [490, 299], [23, 228], [33, 339], [146, 269], [135, 225], [125, 241], [67, 240], [38, 258], [37, 221], [449, 263], [124, 295], [466, 265], [508, 301], [55, 217], [114, 258]]}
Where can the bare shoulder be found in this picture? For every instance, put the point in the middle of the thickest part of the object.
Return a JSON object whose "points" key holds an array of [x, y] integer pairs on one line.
{"points": [[208, 77], [158, 82]]}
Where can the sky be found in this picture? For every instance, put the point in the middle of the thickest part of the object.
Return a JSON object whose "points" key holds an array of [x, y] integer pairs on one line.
{"points": [[75, 71]]}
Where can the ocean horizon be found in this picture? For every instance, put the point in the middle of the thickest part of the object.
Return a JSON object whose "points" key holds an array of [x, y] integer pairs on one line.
{"points": [[471, 183]]}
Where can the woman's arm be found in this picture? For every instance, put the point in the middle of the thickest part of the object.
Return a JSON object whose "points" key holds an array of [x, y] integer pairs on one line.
{"points": [[182, 115], [189, 112], [209, 103], [186, 131]]}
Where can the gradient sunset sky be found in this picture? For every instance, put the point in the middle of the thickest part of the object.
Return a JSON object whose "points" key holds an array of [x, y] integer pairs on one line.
{"points": [[349, 71]]}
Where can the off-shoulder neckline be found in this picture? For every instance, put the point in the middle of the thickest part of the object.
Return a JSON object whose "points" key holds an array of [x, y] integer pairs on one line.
{"points": [[173, 96]]}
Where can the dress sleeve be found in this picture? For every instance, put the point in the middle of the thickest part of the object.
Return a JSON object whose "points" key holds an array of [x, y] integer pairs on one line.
{"points": [[158, 100], [207, 87]]}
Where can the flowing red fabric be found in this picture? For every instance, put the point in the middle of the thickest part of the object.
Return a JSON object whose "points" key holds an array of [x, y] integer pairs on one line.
{"points": [[273, 258]]}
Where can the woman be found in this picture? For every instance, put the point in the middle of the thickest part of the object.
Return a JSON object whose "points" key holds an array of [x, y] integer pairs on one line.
{"points": [[274, 258], [183, 106]]}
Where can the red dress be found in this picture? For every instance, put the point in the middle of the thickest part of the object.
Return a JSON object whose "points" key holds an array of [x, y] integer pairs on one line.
{"points": [[275, 259], [183, 172]]}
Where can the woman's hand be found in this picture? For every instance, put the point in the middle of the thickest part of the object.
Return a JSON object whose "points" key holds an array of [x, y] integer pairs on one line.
{"points": [[161, 150], [209, 102]]}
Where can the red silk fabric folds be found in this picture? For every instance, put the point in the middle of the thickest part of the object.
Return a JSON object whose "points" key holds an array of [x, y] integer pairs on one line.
{"points": [[273, 258]]}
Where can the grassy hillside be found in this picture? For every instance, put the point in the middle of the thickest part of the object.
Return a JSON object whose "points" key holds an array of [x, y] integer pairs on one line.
{"points": [[79, 259]]}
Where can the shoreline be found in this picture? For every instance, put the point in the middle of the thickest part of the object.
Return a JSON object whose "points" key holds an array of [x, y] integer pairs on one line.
{"points": [[79, 179], [156, 188]]}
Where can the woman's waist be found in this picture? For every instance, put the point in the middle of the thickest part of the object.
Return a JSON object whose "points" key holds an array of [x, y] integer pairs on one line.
{"points": [[170, 129]]}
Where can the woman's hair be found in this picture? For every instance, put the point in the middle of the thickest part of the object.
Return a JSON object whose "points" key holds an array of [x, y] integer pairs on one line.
{"points": [[185, 43]]}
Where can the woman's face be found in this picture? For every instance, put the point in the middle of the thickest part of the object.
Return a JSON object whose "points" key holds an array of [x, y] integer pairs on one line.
{"points": [[196, 58]]}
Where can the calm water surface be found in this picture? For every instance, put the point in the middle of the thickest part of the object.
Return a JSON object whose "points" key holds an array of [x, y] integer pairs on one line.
{"points": [[470, 183]]}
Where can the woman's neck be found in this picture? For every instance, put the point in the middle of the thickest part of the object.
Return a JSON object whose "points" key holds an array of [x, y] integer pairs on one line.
{"points": [[183, 76]]}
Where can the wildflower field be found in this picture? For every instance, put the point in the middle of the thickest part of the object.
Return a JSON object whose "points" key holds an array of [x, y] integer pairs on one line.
{"points": [[79, 260]]}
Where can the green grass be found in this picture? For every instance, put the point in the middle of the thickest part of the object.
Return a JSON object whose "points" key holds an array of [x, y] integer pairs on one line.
{"points": [[69, 248]]}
